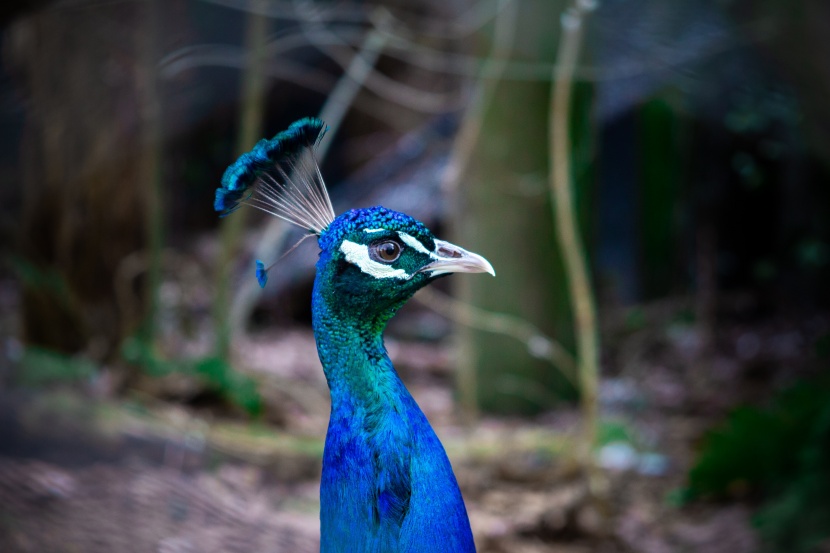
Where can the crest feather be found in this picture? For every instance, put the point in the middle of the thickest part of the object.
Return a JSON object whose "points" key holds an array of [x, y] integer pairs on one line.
{"points": [[281, 177]]}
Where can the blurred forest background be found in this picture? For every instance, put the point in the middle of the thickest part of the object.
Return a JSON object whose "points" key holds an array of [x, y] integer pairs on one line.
{"points": [[153, 398]]}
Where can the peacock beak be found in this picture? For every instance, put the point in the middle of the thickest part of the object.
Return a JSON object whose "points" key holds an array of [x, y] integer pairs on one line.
{"points": [[449, 258]]}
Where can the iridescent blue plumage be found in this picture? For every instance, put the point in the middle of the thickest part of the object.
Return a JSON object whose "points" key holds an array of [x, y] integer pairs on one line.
{"points": [[261, 273], [267, 158], [387, 485]]}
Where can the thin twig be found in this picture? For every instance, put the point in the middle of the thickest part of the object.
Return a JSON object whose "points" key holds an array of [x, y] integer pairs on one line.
{"points": [[538, 344], [338, 50], [476, 17], [491, 73], [504, 32], [151, 160], [356, 72], [250, 128], [567, 230]]}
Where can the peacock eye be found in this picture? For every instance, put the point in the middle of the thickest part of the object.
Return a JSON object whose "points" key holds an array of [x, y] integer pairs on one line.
{"points": [[387, 251]]}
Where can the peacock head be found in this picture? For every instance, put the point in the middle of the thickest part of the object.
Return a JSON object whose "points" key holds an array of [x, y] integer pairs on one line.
{"points": [[370, 258], [386, 256]]}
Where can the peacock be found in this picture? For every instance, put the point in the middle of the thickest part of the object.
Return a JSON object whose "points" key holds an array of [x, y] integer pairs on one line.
{"points": [[387, 485]]}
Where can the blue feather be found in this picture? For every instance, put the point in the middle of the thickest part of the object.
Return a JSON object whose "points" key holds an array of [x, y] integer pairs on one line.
{"points": [[261, 273], [266, 156]]}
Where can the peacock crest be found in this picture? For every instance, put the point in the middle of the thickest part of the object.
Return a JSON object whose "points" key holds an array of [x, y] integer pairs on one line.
{"points": [[281, 177]]}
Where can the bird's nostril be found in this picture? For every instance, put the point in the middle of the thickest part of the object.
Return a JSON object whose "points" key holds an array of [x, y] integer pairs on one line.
{"points": [[447, 252]]}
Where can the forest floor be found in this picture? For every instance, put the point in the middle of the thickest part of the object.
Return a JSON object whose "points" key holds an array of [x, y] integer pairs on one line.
{"points": [[85, 470]]}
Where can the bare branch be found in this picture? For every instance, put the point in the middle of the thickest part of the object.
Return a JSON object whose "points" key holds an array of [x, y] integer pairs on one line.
{"points": [[538, 344], [567, 229]]}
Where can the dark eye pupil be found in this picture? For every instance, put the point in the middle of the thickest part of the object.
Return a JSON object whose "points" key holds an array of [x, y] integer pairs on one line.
{"points": [[388, 251]]}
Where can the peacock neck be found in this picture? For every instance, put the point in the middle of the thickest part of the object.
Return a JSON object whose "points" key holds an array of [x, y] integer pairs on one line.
{"points": [[351, 349]]}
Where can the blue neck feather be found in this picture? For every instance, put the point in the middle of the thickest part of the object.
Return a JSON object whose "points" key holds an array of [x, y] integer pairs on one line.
{"points": [[349, 335]]}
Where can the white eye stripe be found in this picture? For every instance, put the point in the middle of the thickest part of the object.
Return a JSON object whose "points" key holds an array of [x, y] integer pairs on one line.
{"points": [[374, 229], [358, 254], [415, 244]]}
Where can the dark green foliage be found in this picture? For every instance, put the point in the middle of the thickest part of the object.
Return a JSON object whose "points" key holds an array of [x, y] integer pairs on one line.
{"points": [[615, 431], [661, 176], [798, 519], [40, 367], [635, 319], [215, 373], [47, 290], [237, 388], [48, 281], [781, 455]]}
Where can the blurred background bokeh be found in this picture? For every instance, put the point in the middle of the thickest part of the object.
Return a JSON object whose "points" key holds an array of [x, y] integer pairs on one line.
{"points": [[153, 398]]}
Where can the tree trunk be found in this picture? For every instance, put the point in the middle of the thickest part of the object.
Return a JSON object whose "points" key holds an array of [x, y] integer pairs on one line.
{"points": [[507, 218], [83, 212]]}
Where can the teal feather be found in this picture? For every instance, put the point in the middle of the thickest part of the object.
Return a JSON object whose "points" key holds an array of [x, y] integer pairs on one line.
{"points": [[261, 273], [280, 176]]}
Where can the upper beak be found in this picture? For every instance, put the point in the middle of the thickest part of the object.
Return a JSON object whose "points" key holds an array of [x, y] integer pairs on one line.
{"points": [[449, 258]]}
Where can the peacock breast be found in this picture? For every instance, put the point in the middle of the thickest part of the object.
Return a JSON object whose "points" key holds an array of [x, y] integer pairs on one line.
{"points": [[388, 485]]}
